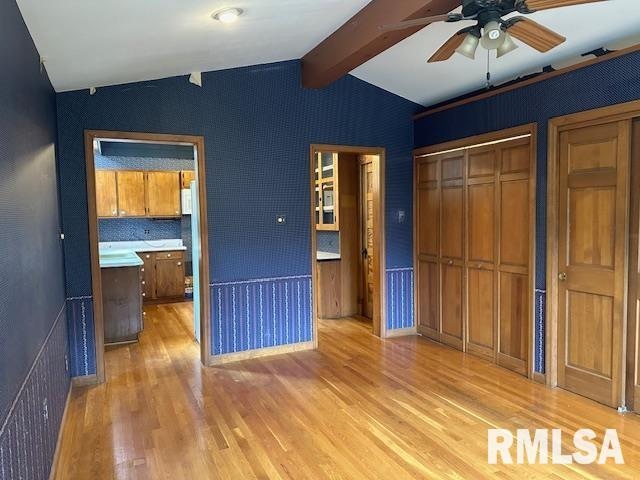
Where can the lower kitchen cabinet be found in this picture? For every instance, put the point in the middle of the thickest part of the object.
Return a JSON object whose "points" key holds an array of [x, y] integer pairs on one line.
{"points": [[162, 275]]}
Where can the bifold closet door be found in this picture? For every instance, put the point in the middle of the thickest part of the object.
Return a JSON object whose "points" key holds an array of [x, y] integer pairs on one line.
{"points": [[427, 244], [451, 260], [514, 287], [481, 251]]}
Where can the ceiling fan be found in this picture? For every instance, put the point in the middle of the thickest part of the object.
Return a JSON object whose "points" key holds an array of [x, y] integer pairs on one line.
{"points": [[491, 30]]}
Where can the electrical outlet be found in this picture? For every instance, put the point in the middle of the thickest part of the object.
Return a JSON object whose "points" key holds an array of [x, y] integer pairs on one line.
{"points": [[147, 231], [66, 363], [45, 410], [401, 216]]}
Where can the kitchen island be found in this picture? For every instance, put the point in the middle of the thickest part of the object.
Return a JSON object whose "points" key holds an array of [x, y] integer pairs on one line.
{"points": [[121, 295]]}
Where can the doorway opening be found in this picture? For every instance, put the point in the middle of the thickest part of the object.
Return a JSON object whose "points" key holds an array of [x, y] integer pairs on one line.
{"points": [[347, 235], [148, 240]]}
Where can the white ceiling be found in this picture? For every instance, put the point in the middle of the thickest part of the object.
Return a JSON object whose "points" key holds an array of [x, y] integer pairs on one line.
{"points": [[92, 43], [403, 69]]}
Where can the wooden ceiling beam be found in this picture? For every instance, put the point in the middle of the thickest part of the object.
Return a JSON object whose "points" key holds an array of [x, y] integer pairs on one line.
{"points": [[361, 38]]}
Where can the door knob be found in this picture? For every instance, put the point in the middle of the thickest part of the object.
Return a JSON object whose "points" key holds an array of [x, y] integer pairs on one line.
{"points": [[562, 276], [450, 262]]}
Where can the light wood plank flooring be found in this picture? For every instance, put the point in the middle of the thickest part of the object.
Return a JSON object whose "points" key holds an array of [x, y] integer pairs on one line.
{"points": [[357, 408]]}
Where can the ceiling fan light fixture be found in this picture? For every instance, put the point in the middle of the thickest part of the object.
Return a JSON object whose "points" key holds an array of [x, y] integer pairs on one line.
{"points": [[508, 45], [493, 35], [469, 46]]}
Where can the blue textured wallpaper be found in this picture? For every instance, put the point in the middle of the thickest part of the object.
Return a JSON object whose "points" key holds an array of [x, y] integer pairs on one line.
{"points": [[33, 378], [104, 162], [258, 123], [129, 229], [607, 83]]}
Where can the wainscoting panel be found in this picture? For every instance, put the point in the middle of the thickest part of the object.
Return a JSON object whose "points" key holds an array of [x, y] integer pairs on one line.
{"points": [[399, 298], [252, 314], [29, 433], [81, 336]]}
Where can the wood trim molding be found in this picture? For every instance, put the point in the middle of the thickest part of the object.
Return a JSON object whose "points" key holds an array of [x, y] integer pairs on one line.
{"points": [[85, 380], [525, 83], [539, 378], [262, 352], [379, 240], [96, 286], [402, 332], [56, 453], [623, 111]]}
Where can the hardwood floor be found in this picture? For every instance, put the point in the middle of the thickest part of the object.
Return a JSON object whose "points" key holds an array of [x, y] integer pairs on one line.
{"points": [[358, 407]]}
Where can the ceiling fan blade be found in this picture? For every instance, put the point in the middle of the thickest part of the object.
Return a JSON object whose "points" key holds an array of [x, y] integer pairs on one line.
{"points": [[535, 35], [535, 5], [418, 22], [446, 51]]}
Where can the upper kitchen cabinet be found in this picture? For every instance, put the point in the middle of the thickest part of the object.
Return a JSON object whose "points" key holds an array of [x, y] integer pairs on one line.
{"points": [[187, 176], [131, 194], [135, 193], [326, 191], [106, 193], [163, 194]]}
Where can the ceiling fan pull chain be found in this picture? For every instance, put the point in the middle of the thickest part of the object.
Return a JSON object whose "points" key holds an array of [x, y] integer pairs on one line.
{"points": [[488, 69]]}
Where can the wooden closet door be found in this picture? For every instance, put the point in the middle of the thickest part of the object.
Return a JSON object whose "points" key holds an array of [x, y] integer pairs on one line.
{"points": [[515, 237], [592, 234], [481, 251], [427, 241], [633, 328], [452, 215]]}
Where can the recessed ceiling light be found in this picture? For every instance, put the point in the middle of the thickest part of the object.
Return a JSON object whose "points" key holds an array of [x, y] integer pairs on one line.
{"points": [[228, 15]]}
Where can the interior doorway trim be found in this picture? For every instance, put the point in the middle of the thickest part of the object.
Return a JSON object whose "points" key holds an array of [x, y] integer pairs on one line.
{"points": [[619, 112], [96, 282], [490, 138], [379, 262]]}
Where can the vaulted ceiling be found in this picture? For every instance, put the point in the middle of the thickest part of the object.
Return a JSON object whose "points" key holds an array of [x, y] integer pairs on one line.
{"points": [[91, 44]]}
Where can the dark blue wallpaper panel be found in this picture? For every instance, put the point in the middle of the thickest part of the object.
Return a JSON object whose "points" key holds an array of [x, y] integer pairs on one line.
{"points": [[33, 378], [29, 433], [258, 123], [607, 83], [133, 229]]}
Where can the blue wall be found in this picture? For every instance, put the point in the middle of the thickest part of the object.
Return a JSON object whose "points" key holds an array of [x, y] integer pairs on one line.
{"points": [[33, 335], [258, 124], [607, 83]]}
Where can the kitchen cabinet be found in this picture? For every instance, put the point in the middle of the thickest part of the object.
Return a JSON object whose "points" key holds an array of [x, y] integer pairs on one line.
{"points": [[131, 187], [326, 191], [106, 193], [122, 304], [162, 275], [135, 193], [163, 194], [169, 275], [186, 177]]}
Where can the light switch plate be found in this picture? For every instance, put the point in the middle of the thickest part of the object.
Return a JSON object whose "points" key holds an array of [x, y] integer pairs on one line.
{"points": [[401, 216], [281, 219]]}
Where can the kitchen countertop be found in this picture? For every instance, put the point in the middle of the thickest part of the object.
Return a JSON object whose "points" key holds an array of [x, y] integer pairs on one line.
{"points": [[119, 258], [324, 256], [144, 245]]}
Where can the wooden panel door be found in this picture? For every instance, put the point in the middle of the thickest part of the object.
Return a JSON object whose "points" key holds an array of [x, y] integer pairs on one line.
{"points": [[366, 236], [131, 194], [427, 218], [169, 277], [481, 251], [592, 234], [163, 194], [633, 327], [514, 269], [452, 220], [106, 193]]}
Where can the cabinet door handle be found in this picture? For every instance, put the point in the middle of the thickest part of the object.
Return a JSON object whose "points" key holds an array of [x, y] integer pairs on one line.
{"points": [[114, 212], [168, 255], [144, 294], [148, 256], [179, 263], [122, 212], [143, 282]]}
